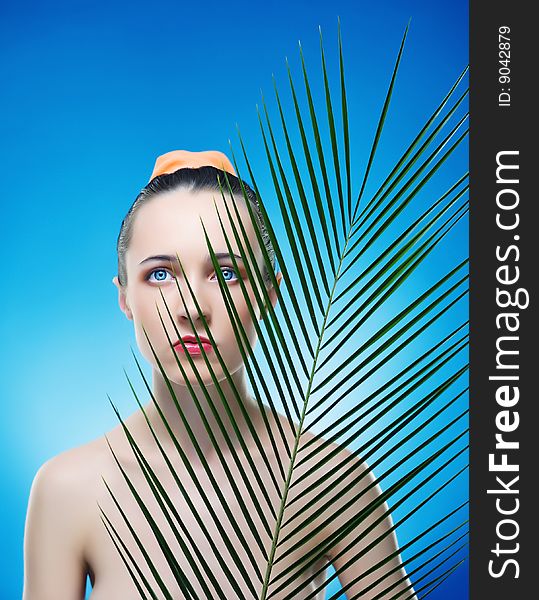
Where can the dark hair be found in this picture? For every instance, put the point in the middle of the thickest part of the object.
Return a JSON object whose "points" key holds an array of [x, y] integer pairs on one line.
{"points": [[193, 180]]}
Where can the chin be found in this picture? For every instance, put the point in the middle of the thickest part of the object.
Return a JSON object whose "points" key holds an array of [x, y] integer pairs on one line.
{"points": [[174, 373], [204, 376]]}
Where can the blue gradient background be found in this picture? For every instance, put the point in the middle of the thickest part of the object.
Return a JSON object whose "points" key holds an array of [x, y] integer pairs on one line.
{"points": [[92, 93]]}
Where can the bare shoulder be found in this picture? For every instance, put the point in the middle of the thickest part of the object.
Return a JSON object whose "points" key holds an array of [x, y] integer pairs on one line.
{"points": [[61, 484], [319, 457], [331, 474], [356, 527], [57, 526], [72, 467]]}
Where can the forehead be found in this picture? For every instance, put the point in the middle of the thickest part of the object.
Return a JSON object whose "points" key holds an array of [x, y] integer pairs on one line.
{"points": [[172, 222]]}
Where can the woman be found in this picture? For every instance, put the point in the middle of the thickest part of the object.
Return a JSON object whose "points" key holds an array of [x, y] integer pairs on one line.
{"points": [[65, 537]]}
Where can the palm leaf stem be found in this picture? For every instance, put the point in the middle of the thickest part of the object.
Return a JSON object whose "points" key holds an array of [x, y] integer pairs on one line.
{"points": [[286, 486], [357, 521], [393, 281], [393, 489], [287, 483], [368, 510], [312, 557], [415, 381], [381, 440], [385, 410], [396, 350], [283, 501], [389, 285], [384, 435], [388, 383]]}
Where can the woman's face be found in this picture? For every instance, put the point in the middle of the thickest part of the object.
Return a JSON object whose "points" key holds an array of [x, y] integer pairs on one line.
{"points": [[168, 225]]}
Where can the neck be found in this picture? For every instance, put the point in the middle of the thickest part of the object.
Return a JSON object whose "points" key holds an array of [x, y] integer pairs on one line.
{"points": [[202, 409]]}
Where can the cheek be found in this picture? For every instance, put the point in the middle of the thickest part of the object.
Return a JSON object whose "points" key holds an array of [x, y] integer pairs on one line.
{"points": [[244, 312], [145, 314], [243, 303], [147, 300]]}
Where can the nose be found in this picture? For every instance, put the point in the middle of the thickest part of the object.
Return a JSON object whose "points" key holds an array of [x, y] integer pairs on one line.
{"points": [[187, 308]]}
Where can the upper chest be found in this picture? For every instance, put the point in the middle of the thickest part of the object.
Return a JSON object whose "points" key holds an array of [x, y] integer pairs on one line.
{"points": [[216, 526]]}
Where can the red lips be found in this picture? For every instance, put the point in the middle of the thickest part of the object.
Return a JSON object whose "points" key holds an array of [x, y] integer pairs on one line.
{"points": [[191, 344]]}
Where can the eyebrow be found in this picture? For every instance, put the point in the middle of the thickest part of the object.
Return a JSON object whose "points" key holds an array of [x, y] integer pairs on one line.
{"points": [[173, 259]]}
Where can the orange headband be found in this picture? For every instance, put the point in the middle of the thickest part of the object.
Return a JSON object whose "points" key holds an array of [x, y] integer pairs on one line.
{"points": [[182, 159]]}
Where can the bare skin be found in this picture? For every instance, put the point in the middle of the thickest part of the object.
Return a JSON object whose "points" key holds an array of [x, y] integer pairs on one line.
{"points": [[65, 525], [65, 538]]}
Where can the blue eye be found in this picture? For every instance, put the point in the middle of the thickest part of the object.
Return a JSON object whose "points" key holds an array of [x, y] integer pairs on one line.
{"points": [[161, 275], [230, 271]]}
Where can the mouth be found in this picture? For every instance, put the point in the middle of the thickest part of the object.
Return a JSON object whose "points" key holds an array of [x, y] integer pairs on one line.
{"points": [[191, 345]]}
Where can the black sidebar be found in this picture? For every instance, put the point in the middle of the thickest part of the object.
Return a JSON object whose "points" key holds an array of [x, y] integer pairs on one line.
{"points": [[504, 355]]}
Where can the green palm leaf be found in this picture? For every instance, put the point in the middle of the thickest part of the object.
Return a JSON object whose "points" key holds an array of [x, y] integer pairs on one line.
{"points": [[340, 330]]}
